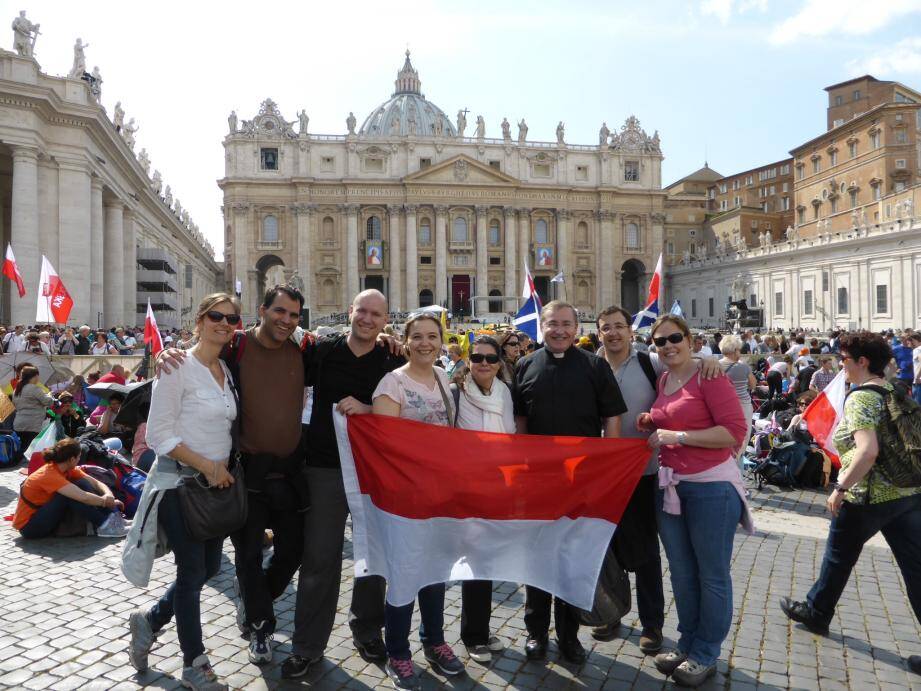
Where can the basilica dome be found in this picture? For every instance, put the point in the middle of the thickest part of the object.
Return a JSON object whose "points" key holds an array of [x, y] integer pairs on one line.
{"points": [[407, 112]]}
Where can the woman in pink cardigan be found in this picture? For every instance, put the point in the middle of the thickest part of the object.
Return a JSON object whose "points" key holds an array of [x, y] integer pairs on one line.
{"points": [[696, 424]]}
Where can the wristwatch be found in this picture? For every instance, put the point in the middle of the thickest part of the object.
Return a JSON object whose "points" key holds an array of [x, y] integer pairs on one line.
{"points": [[838, 488], [682, 436]]}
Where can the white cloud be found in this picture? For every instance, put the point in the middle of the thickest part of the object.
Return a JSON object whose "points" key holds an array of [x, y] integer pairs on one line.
{"points": [[723, 9], [903, 58], [841, 17]]}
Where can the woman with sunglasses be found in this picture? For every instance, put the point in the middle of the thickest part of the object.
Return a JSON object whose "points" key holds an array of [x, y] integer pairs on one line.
{"points": [[418, 391], [510, 346], [192, 411], [696, 424], [485, 405]]}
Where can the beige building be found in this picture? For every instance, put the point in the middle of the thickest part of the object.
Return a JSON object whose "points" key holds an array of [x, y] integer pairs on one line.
{"points": [[73, 189], [686, 209], [429, 209]]}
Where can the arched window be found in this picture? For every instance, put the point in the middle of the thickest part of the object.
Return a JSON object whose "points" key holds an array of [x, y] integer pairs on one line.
{"points": [[494, 233], [425, 298], [270, 229], [328, 291], [425, 232], [495, 305], [582, 234], [374, 228], [328, 233], [459, 233], [633, 236], [541, 234]]}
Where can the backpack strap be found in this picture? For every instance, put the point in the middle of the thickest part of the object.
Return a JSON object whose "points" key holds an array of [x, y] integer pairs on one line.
{"points": [[452, 419], [646, 363]]}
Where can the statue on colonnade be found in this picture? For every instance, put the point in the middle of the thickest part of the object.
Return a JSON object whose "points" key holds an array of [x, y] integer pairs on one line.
{"points": [[79, 68], [24, 35]]}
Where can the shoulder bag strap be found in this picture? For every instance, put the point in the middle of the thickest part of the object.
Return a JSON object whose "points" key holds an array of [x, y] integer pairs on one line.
{"points": [[646, 363], [452, 415]]}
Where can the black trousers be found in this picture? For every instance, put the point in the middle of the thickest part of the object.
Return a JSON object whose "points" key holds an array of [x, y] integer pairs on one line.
{"points": [[775, 384], [537, 615], [276, 508], [476, 608]]}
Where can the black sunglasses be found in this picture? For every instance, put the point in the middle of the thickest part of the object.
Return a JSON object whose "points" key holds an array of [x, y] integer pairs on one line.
{"points": [[511, 343], [676, 337], [479, 357], [216, 317]]}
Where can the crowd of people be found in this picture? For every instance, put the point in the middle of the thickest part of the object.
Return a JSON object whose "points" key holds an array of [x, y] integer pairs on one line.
{"points": [[263, 398]]}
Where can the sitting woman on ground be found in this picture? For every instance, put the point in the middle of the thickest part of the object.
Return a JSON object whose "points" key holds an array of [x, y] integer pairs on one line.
{"points": [[484, 404], [696, 424], [69, 417], [417, 391], [59, 485], [31, 401], [511, 352], [192, 410], [863, 502]]}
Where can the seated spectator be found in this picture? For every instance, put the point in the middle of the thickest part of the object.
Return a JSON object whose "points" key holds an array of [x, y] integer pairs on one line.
{"points": [[68, 416], [59, 485], [116, 376], [142, 456]]}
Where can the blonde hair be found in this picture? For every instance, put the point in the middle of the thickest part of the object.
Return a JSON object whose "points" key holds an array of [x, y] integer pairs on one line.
{"points": [[731, 344], [209, 302]]}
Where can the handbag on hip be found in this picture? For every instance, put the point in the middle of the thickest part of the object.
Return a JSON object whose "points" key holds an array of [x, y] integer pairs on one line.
{"points": [[211, 512]]}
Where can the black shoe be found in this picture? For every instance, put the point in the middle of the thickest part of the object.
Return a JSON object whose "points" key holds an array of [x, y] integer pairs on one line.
{"points": [[372, 650], [536, 648], [296, 666], [572, 651], [803, 613], [608, 632], [914, 664]]}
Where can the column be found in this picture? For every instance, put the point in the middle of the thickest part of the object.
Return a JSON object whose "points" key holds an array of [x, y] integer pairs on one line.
{"points": [[441, 255], [395, 294], [482, 264], [511, 259], [24, 230], [131, 270], [74, 237], [49, 210], [96, 276], [113, 258], [412, 260], [240, 264], [564, 252], [524, 245], [305, 213], [351, 257], [606, 276]]}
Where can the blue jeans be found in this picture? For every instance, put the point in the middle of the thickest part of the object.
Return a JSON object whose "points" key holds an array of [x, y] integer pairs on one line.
{"points": [[698, 545], [47, 517], [196, 562], [398, 621], [900, 523]]}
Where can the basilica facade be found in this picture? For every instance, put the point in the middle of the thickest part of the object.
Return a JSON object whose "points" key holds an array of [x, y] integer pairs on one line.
{"points": [[430, 211]]}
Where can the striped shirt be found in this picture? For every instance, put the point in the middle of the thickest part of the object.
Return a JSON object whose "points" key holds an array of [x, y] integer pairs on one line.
{"points": [[821, 379]]}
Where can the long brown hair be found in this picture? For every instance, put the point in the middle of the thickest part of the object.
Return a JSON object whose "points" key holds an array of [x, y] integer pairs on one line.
{"points": [[25, 376], [63, 451]]}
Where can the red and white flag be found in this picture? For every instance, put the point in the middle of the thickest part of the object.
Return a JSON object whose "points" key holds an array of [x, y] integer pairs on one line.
{"points": [[152, 336], [11, 271], [431, 504], [54, 302], [823, 415]]}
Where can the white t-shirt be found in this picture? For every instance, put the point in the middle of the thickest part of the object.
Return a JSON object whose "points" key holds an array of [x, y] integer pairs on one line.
{"points": [[779, 367], [916, 359], [705, 351]]}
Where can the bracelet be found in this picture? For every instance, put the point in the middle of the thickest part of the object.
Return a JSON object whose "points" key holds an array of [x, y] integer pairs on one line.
{"points": [[838, 488]]}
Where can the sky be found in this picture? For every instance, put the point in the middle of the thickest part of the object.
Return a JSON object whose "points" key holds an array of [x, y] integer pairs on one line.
{"points": [[737, 83]]}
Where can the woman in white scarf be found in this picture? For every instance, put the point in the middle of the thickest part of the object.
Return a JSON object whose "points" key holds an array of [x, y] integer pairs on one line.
{"points": [[484, 404]]}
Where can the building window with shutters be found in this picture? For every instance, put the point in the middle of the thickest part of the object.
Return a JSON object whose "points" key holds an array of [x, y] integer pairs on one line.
{"points": [[807, 302], [882, 299], [778, 303]]}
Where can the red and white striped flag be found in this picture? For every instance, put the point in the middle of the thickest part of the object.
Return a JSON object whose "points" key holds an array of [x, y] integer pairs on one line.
{"points": [[11, 271], [151, 332], [432, 504], [823, 415]]}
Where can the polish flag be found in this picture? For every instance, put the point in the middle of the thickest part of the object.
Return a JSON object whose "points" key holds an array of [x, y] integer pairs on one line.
{"points": [[54, 302], [823, 415], [432, 504], [11, 271], [151, 332]]}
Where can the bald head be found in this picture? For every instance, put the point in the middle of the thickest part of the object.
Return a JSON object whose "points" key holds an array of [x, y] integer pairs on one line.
{"points": [[368, 316], [369, 297]]}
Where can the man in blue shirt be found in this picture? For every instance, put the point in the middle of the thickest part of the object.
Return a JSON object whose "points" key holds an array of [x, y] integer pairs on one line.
{"points": [[902, 352]]}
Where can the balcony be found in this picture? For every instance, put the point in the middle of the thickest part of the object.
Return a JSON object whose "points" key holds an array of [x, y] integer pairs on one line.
{"points": [[269, 245], [157, 280], [461, 245]]}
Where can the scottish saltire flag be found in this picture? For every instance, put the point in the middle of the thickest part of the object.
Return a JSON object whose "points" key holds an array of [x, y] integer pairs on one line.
{"points": [[650, 312], [676, 309], [528, 317], [522, 508]]}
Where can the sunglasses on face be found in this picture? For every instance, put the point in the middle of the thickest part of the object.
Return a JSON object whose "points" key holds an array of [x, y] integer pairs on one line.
{"points": [[477, 358], [676, 337], [512, 344], [216, 317]]}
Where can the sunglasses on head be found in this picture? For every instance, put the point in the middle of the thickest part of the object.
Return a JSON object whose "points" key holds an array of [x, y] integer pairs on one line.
{"points": [[491, 358], [676, 337], [216, 317]]}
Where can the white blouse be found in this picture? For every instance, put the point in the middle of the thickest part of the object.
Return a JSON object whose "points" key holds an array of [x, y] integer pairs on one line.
{"points": [[187, 406]]}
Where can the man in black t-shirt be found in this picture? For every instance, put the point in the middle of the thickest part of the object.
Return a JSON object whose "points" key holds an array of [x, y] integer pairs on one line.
{"points": [[344, 370], [562, 390]]}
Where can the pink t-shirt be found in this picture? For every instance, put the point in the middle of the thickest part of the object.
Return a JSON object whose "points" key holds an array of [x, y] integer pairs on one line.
{"points": [[699, 404]]}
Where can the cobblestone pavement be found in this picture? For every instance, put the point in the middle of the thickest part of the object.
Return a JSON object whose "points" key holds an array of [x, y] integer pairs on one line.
{"points": [[64, 607]]}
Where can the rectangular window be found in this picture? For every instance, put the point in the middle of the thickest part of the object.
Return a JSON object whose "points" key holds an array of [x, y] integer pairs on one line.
{"points": [[882, 299], [778, 303], [834, 205], [189, 274], [425, 260], [807, 302], [694, 307], [801, 216], [853, 196], [710, 306], [838, 122], [842, 300], [737, 201], [541, 170], [800, 171], [852, 149], [785, 169], [495, 261], [670, 247], [754, 225], [495, 165], [839, 100], [785, 187], [750, 180], [874, 140], [722, 188], [834, 158], [877, 193], [268, 158], [816, 165], [425, 163], [824, 281], [724, 204], [785, 204], [899, 186], [857, 94], [632, 171], [900, 163], [901, 136]]}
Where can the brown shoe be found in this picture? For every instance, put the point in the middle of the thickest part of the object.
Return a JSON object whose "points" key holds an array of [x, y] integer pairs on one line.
{"points": [[606, 633], [651, 641]]}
